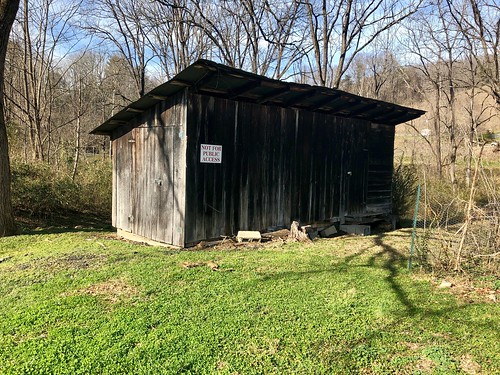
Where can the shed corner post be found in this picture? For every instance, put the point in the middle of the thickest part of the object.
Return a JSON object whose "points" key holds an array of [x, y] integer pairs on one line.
{"points": [[183, 135], [112, 150]]}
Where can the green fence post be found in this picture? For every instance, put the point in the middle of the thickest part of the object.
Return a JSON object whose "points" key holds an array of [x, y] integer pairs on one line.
{"points": [[414, 231]]}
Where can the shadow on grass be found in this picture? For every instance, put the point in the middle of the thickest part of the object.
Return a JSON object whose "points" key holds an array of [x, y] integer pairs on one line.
{"points": [[388, 258], [61, 222], [393, 261]]}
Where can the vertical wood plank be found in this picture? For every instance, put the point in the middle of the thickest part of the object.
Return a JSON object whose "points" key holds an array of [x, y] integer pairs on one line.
{"points": [[179, 172], [114, 185], [278, 165], [144, 174]]}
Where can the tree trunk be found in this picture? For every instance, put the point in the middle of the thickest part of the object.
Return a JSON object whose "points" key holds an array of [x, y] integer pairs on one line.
{"points": [[453, 124], [437, 131], [77, 149], [296, 233], [469, 139], [345, 45], [8, 10], [78, 131], [468, 216]]}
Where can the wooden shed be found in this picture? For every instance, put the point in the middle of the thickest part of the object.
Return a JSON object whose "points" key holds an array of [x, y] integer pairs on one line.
{"points": [[216, 150]]}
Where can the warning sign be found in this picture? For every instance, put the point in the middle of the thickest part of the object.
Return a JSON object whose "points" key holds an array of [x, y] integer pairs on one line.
{"points": [[210, 154]]}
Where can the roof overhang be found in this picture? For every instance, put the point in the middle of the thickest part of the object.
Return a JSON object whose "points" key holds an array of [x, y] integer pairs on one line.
{"points": [[210, 78]]}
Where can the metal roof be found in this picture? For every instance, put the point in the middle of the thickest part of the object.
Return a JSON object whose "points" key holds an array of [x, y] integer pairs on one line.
{"points": [[210, 78]]}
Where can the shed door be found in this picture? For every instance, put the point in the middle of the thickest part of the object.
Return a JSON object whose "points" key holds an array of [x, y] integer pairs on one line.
{"points": [[148, 184], [158, 198], [354, 171], [162, 193], [356, 183], [124, 180]]}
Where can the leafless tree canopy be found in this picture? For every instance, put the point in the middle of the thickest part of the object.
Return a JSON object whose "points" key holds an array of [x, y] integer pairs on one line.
{"points": [[409, 52], [71, 64]]}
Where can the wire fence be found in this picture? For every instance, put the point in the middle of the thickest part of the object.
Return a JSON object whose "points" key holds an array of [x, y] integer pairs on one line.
{"points": [[456, 234]]}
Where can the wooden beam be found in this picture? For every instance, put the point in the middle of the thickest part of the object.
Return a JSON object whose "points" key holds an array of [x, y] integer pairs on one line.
{"points": [[178, 82], [134, 110], [361, 108], [374, 112], [342, 103], [214, 91], [243, 89], [391, 116], [402, 118], [300, 97], [320, 103], [275, 94], [202, 81], [158, 97], [117, 122]]}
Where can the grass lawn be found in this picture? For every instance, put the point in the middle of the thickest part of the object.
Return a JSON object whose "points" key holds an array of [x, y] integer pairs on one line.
{"points": [[82, 302]]}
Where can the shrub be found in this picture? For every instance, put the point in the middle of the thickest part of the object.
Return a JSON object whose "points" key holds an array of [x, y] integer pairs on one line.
{"points": [[32, 188], [95, 183], [41, 189], [404, 187], [444, 207]]}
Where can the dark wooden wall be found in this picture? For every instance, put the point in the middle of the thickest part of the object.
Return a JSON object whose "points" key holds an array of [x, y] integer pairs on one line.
{"points": [[278, 165], [149, 173], [381, 146]]}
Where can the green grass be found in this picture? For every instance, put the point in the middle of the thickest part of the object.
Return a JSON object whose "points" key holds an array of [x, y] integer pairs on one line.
{"points": [[86, 303]]}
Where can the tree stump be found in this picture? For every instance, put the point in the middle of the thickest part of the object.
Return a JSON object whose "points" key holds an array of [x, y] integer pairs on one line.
{"points": [[296, 233]]}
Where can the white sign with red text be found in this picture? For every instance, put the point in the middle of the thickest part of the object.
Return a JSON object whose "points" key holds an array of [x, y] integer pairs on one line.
{"points": [[211, 154]]}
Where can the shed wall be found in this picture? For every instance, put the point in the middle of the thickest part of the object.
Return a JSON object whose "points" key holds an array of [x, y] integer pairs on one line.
{"points": [[149, 157], [381, 147], [278, 165]]}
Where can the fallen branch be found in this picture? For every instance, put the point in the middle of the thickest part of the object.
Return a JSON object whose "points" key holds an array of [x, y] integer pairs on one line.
{"points": [[487, 255]]}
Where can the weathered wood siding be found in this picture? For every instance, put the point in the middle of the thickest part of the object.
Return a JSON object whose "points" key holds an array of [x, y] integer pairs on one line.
{"points": [[149, 158], [278, 165], [381, 149]]}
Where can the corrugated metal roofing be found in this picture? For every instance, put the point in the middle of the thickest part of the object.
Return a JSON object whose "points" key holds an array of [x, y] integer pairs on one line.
{"points": [[209, 78]]}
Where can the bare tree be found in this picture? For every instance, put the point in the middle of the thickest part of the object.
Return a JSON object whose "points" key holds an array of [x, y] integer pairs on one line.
{"points": [[121, 24], [85, 87], [44, 37], [8, 10], [479, 23], [174, 40], [449, 44], [283, 37], [479, 112], [118, 85], [438, 47], [420, 44], [340, 30], [260, 36], [375, 74], [231, 30]]}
